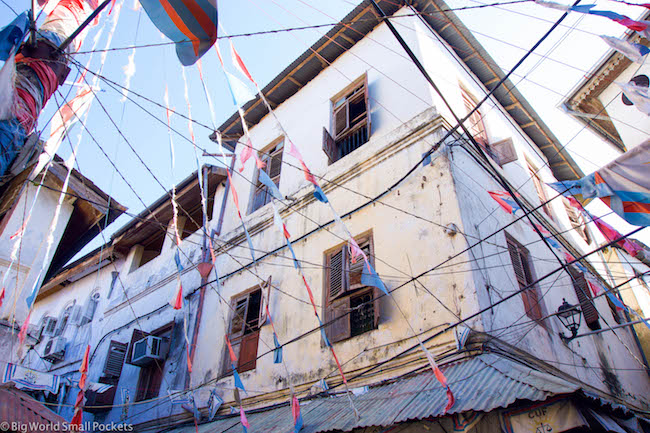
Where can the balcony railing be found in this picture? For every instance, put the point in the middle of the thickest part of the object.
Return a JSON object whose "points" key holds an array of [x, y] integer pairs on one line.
{"points": [[351, 142]]}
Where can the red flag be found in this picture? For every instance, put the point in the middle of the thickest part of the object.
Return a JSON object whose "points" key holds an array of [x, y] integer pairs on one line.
{"points": [[311, 295], [284, 228], [2, 295], [77, 419], [245, 154], [233, 357], [84, 362], [178, 299], [189, 361], [338, 364], [239, 63], [23, 330]]}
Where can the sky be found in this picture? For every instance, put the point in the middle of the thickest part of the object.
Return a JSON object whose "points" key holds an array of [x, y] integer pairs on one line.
{"points": [[114, 125]]}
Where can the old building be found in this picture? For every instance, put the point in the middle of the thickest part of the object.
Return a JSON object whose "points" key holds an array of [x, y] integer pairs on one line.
{"points": [[363, 116], [84, 213], [598, 103]]}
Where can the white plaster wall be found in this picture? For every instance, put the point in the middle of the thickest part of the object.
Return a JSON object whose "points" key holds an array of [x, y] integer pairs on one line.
{"points": [[632, 125], [21, 280]]}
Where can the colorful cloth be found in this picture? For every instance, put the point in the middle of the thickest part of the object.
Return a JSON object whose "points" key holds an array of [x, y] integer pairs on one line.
{"points": [[623, 185], [12, 35], [634, 52], [191, 24], [25, 378], [505, 200]]}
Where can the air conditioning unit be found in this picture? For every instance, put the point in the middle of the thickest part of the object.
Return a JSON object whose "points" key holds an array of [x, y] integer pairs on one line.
{"points": [[75, 315], [54, 349], [149, 349], [49, 326]]}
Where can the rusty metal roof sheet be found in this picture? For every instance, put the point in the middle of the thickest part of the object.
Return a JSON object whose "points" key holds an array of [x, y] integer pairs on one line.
{"points": [[482, 383], [17, 406]]}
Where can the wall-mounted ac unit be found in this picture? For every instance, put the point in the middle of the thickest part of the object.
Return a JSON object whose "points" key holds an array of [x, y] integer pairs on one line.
{"points": [[49, 326], [149, 349], [75, 315], [54, 349]]}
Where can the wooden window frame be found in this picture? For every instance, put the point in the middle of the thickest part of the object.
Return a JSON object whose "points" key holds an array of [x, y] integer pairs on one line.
{"points": [[341, 125], [539, 187], [524, 274], [585, 299], [338, 304], [268, 155], [109, 375], [577, 220], [152, 375], [245, 345], [476, 125]]}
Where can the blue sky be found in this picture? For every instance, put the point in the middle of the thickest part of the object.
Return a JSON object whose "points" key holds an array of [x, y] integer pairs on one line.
{"points": [[505, 31]]}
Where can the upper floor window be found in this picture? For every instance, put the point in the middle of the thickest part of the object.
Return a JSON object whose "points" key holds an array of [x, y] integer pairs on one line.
{"points": [[350, 122], [583, 293], [521, 264], [354, 306], [577, 220], [247, 316], [273, 168], [539, 187], [474, 123]]}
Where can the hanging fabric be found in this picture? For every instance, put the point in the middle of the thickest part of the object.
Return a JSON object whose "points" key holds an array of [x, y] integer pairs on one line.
{"points": [[633, 51], [623, 185], [191, 24], [505, 200]]}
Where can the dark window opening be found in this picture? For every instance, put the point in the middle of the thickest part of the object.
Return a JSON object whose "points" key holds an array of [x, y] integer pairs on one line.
{"points": [[351, 123], [639, 80], [152, 248], [246, 316], [351, 307], [273, 168], [522, 266]]}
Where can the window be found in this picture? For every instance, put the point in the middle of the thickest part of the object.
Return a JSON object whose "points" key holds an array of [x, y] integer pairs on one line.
{"points": [[48, 327], [114, 362], [350, 122], [539, 187], [273, 168], [346, 294], [151, 375], [523, 271], [247, 316], [577, 220], [583, 293], [474, 123]]}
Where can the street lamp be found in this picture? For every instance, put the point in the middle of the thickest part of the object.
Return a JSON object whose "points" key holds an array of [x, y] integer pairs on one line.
{"points": [[569, 315]]}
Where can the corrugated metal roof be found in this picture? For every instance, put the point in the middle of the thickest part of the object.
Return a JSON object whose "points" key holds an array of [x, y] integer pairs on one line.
{"points": [[482, 383], [16, 406]]}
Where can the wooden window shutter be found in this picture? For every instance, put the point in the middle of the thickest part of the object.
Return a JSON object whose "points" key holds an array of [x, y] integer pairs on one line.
{"points": [[503, 152], [540, 190], [329, 147], [583, 293], [366, 91], [339, 329], [275, 165], [115, 358], [517, 264], [248, 352], [341, 119], [337, 277]]}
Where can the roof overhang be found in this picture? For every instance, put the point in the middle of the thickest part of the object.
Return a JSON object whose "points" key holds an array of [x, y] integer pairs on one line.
{"points": [[360, 22], [154, 219]]}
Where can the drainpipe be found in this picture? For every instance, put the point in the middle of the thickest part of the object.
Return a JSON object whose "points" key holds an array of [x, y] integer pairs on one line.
{"points": [[204, 279]]}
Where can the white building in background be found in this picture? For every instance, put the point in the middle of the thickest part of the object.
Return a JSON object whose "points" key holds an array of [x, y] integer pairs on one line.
{"points": [[84, 214], [598, 103], [363, 116]]}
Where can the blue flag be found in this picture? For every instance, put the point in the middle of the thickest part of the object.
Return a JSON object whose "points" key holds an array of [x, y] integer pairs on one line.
{"points": [[372, 279], [270, 185], [12, 35], [277, 352], [319, 194]]}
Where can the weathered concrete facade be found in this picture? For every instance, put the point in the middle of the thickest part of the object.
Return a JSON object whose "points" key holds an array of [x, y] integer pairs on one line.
{"points": [[437, 212]]}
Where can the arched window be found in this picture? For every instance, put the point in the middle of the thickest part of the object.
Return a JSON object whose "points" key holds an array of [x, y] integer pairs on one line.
{"points": [[639, 80]]}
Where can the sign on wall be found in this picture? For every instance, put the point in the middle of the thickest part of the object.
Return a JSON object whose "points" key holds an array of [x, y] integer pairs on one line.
{"points": [[553, 417]]}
